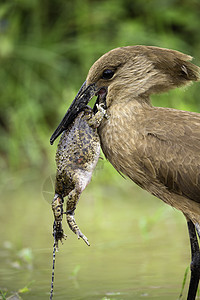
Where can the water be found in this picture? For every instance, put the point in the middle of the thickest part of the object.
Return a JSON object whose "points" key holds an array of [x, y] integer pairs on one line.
{"points": [[139, 246]]}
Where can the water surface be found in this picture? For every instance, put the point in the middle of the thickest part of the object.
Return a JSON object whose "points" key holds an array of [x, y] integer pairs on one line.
{"points": [[139, 246]]}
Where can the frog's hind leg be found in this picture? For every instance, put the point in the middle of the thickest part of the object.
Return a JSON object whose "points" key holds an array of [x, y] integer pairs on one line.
{"points": [[72, 201], [57, 207]]}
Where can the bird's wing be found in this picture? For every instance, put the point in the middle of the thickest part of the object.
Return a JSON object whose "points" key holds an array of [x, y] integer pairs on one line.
{"points": [[172, 147]]}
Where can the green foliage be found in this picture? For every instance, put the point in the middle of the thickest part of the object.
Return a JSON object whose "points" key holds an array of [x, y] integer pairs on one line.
{"points": [[26, 255], [47, 47], [183, 283], [74, 276], [3, 295], [15, 296], [21, 258], [26, 288], [75, 271], [147, 223]]}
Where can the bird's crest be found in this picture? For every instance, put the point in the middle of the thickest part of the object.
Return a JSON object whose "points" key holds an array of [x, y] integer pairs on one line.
{"points": [[145, 69]]}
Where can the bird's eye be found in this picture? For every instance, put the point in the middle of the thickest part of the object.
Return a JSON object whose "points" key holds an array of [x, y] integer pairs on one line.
{"points": [[107, 74]]}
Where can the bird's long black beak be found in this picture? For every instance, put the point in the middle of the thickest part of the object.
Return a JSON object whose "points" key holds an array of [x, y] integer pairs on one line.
{"points": [[84, 95]]}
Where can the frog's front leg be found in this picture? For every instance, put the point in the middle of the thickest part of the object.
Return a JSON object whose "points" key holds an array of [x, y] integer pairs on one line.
{"points": [[73, 198], [95, 121], [57, 207]]}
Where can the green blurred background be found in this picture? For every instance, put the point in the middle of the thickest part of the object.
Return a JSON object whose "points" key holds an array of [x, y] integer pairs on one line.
{"points": [[46, 50]]}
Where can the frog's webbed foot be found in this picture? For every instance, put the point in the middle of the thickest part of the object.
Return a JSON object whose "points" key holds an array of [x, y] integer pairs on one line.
{"points": [[58, 233], [74, 227]]}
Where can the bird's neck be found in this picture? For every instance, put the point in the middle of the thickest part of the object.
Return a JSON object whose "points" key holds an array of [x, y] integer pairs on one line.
{"points": [[123, 123], [127, 95]]}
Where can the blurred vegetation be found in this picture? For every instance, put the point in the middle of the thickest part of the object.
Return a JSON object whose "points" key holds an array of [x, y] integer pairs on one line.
{"points": [[46, 50], [47, 47]]}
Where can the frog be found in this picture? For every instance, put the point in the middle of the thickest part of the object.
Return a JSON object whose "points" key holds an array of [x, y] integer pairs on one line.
{"points": [[77, 155]]}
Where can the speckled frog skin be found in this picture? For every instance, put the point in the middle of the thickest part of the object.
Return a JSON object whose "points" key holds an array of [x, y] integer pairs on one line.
{"points": [[76, 157]]}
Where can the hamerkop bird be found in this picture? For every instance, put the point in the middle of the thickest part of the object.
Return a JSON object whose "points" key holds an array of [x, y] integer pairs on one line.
{"points": [[158, 148]]}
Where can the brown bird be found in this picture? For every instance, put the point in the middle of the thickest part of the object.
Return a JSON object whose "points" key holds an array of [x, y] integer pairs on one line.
{"points": [[158, 148]]}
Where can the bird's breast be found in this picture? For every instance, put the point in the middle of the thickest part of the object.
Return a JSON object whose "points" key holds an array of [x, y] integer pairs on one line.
{"points": [[120, 136]]}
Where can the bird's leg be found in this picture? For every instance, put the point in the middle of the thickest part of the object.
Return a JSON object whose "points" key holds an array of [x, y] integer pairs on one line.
{"points": [[57, 207], [195, 264], [73, 198], [98, 117]]}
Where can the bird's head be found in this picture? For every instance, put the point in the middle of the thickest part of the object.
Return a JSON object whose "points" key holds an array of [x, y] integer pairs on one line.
{"points": [[133, 72]]}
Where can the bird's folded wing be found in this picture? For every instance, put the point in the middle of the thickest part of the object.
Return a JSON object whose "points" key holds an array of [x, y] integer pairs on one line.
{"points": [[172, 148]]}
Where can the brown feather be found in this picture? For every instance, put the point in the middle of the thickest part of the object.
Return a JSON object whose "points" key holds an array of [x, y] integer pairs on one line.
{"points": [[158, 148]]}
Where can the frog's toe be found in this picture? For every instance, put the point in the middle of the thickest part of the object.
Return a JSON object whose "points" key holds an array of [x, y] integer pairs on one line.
{"points": [[74, 227], [83, 237], [60, 238], [100, 108], [58, 234]]}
